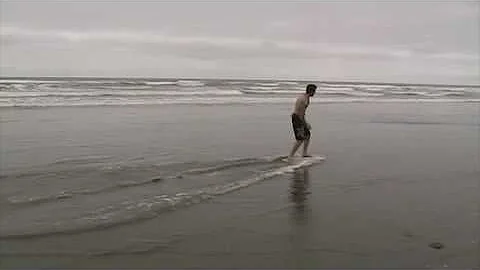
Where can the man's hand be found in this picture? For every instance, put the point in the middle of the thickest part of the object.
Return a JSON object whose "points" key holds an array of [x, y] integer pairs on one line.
{"points": [[309, 127]]}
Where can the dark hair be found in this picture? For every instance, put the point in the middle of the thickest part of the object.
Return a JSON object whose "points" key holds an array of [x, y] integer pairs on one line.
{"points": [[311, 88]]}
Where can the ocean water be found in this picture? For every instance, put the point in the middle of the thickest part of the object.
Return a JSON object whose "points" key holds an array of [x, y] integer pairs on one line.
{"points": [[188, 173], [31, 92]]}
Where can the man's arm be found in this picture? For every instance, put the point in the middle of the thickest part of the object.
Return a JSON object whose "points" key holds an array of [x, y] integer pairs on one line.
{"points": [[306, 123], [305, 103]]}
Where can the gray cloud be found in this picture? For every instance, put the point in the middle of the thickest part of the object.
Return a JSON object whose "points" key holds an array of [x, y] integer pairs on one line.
{"points": [[414, 42]]}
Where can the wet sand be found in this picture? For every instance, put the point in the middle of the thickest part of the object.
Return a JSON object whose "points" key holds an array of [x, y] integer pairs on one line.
{"points": [[398, 177]]}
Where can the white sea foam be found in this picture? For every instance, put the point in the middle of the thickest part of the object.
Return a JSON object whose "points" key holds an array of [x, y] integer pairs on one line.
{"points": [[334, 89], [127, 87], [30, 81], [161, 83], [351, 93], [371, 86], [261, 87], [38, 102], [28, 94], [189, 83], [270, 92], [237, 82], [268, 84], [289, 83], [427, 94]]}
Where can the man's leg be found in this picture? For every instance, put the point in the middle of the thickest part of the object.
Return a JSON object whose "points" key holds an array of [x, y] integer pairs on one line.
{"points": [[305, 147], [295, 147], [306, 143], [299, 133]]}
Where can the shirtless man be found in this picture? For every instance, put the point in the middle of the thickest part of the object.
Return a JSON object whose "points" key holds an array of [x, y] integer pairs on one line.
{"points": [[301, 127]]}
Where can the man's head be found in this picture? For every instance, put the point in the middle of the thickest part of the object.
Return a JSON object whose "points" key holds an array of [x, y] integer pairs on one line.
{"points": [[311, 88]]}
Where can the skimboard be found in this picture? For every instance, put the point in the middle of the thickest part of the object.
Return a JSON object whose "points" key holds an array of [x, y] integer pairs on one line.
{"points": [[304, 161]]}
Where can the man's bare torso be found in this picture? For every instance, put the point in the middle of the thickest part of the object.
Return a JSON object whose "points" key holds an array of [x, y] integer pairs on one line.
{"points": [[301, 105]]}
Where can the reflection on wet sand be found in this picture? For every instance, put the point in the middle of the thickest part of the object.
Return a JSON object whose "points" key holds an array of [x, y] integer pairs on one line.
{"points": [[298, 194], [301, 226]]}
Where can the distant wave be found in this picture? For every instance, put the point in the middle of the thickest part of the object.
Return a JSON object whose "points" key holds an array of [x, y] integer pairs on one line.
{"points": [[67, 81], [268, 84], [335, 88], [289, 83], [417, 122], [339, 92], [207, 101], [266, 88], [445, 94], [124, 87], [427, 94], [26, 94], [133, 211], [271, 92], [350, 93], [182, 83], [190, 83], [237, 82], [106, 82], [372, 86], [160, 83], [118, 92], [29, 81]]}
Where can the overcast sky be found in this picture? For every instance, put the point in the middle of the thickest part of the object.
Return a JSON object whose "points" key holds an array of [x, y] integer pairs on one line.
{"points": [[389, 41]]}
